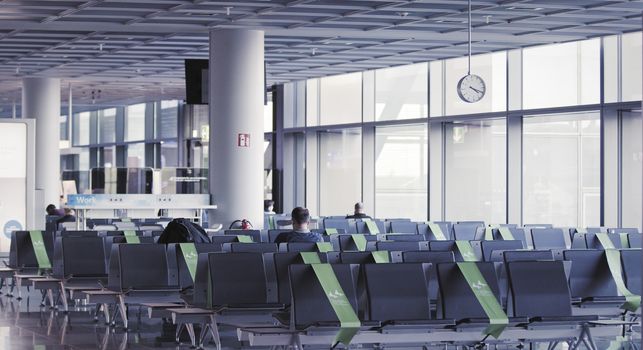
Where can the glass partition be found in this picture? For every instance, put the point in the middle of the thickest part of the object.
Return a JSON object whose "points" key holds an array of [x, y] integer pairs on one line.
{"points": [[184, 181], [121, 180]]}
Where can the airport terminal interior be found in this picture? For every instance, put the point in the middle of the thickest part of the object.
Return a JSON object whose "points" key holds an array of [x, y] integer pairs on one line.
{"points": [[321, 174]]}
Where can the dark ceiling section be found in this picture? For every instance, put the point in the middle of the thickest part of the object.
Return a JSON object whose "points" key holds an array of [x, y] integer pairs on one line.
{"points": [[135, 49]]}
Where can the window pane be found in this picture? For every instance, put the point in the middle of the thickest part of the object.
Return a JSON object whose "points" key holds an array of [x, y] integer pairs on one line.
{"points": [[340, 171], [63, 128], [401, 172], [401, 92], [341, 99], [107, 125], [475, 170], [631, 67], [109, 157], [562, 74], [169, 154], [167, 119], [631, 173], [135, 123], [492, 68], [136, 155], [267, 117], [312, 102], [561, 174], [81, 129]]}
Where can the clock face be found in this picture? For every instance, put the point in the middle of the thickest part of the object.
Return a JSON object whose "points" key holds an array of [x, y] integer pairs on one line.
{"points": [[471, 88]]}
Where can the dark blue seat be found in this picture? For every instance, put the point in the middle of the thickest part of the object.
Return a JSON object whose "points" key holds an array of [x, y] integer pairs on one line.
{"points": [[590, 279], [236, 247], [255, 234], [345, 242], [404, 227]]}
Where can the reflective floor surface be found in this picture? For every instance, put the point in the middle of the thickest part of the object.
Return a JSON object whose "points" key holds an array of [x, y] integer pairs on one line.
{"points": [[26, 325]]}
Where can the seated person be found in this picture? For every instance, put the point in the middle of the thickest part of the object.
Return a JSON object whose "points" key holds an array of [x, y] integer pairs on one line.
{"points": [[68, 217], [300, 232], [51, 210], [268, 207], [359, 212]]}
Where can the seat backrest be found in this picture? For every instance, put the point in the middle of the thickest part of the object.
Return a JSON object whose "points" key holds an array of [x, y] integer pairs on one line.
{"points": [[310, 304], [447, 230], [518, 233], [338, 223], [298, 247], [345, 242], [623, 230], [238, 279], [579, 240], [361, 227], [142, 267], [80, 257], [590, 275], [429, 257], [403, 237], [404, 227], [218, 240], [355, 258], [466, 231], [255, 234], [634, 240], [236, 247], [548, 238], [400, 246], [527, 255], [282, 262], [457, 300], [631, 259], [398, 292], [272, 234], [185, 279], [21, 252], [451, 246], [80, 233], [592, 242], [489, 246], [539, 288], [596, 230]]}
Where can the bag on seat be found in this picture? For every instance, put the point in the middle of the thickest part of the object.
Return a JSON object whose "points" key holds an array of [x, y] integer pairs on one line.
{"points": [[181, 231]]}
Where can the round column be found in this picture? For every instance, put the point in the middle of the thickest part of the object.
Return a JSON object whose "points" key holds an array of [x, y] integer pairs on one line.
{"points": [[236, 97], [41, 101]]}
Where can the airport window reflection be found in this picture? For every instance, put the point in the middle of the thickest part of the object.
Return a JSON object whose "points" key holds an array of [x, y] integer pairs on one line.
{"points": [[135, 122], [136, 155], [401, 172], [631, 173], [561, 173], [167, 119], [346, 88], [340, 170], [81, 127], [107, 125], [631, 67], [401, 92], [475, 175]]}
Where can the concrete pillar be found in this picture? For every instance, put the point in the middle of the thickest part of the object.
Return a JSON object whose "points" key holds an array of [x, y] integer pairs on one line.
{"points": [[236, 90], [41, 101]]}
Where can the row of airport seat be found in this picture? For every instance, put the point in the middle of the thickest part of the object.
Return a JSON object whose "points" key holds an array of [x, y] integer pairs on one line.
{"points": [[125, 270]]}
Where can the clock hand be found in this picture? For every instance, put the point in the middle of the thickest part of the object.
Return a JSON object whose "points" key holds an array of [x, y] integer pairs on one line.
{"points": [[474, 89]]}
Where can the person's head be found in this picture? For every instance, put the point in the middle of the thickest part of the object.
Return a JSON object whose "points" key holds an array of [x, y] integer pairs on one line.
{"points": [[51, 209], [359, 208], [268, 205], [300, 218]]}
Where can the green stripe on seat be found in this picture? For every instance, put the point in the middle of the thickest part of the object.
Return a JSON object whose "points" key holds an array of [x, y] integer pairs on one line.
{"points": [[465, 249], [131, 237], [244, 239], [39, 249], [505, 233], [360, 241], [190, 256], [381, 257], [497, 318], [324, 247], [632, 301], [437, 231]]}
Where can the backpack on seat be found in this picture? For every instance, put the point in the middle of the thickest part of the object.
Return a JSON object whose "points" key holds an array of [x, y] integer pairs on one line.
{"points": [[182, 231]]}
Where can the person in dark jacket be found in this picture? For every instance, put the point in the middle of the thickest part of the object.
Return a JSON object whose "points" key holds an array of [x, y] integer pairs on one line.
{"points": [[359, 212], [68, 217], [300, 233]]}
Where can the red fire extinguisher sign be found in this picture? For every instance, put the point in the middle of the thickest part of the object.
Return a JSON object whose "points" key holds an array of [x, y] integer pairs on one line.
{"points": [[243, 140]]}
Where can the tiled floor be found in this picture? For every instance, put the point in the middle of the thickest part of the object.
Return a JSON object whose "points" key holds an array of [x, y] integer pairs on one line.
{"points": [[26, 325]]}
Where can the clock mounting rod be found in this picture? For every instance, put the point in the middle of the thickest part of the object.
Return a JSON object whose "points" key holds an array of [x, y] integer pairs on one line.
{"points": [[469, 37]]}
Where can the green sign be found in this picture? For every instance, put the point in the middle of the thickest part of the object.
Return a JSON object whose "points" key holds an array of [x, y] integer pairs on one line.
{"points": [[497, 318], [437, 231], [371, 226], [131, 237], [190, 256], [244, 239], [381, 257], [39, 249], [465, 249], [505, 233], [331, 231], [488, 233], [324, 247], [360, 241]]}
